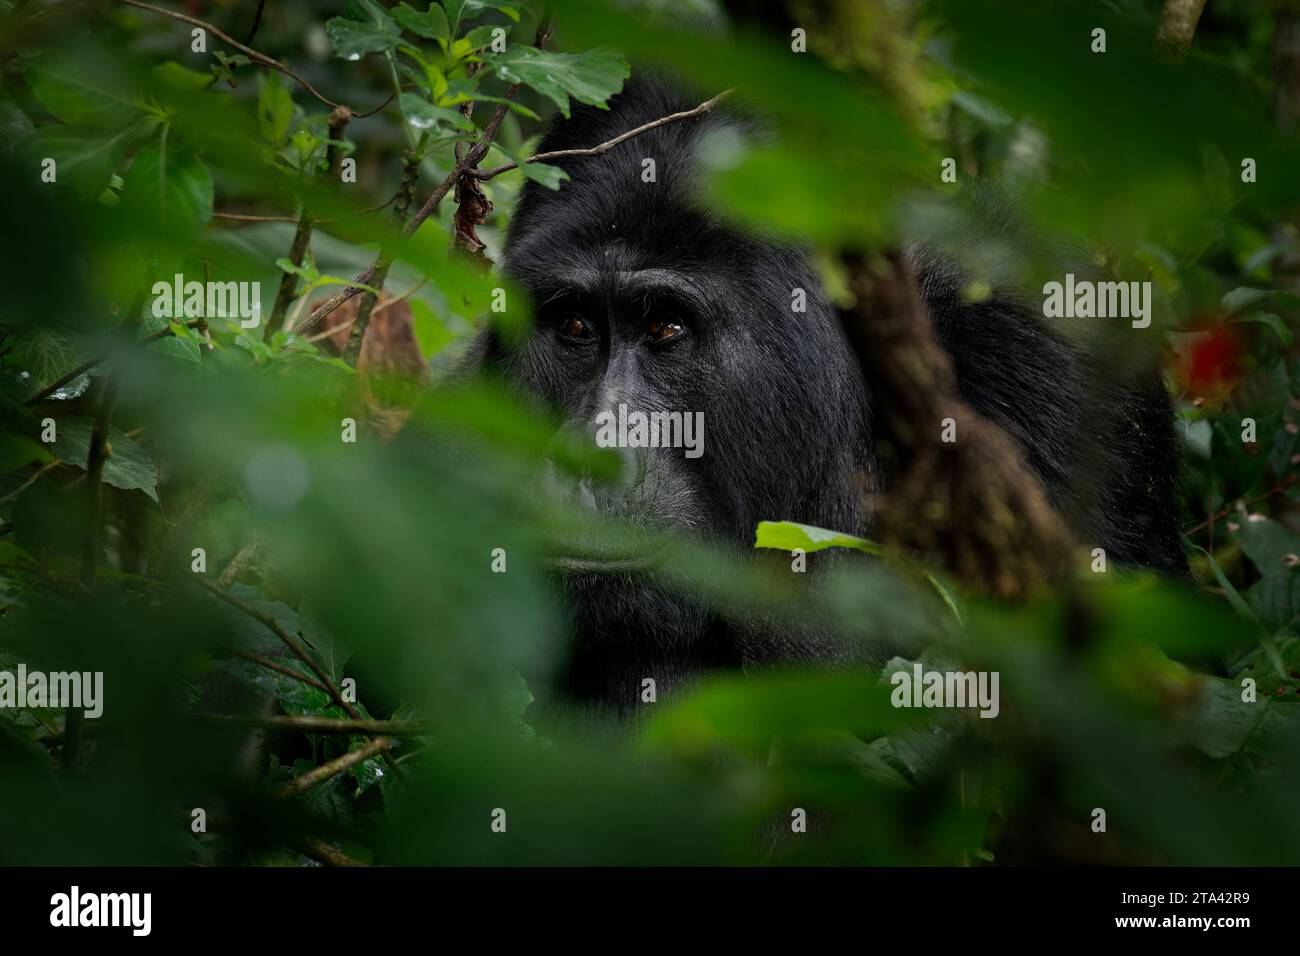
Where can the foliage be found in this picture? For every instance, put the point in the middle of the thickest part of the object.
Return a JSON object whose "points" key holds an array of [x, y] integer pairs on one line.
{"points": [[1118, 692]]}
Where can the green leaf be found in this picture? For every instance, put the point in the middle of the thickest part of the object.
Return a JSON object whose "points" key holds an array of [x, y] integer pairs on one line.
{"points": [[181, 345], [354, 38], [45, 354], [128, 465], [171, 187], [1274, 322], [1275, 599], [1270, 545], [84, 159], [73, 96], [1224, 725], [432, 24], [1234, 598], [462, 91], [274, 109], [19, 452], [1239, 298], [789, 535], [545, 174], [423, 115], [591, 77]]}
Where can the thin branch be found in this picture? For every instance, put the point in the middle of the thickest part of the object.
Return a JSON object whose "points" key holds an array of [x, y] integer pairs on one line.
{"points": [[257, 22], [322, 852], [87, 365], [387, 303], [322, 725], [335, 767], [294, 645], [1178, 20], [245, 556], [106, 389], [287, 639], [605, 147], [30, 481], [252, 54], [1278, 489], [242, 217], [281, 669]]}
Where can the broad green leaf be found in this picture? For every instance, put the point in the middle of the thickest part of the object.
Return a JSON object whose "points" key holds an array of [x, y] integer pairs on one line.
{"points": [[171, 187], [1237, 299], [552, 177], [1224, 725], [591, 77], [1275, 599], [84, 159], [181, 345], [74, 96], [432, 24], [371, 30], [45, 354], [128, 466], [1272, 546]]}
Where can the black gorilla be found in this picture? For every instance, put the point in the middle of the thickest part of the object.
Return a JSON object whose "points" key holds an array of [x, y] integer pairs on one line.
{"points": [[645, 299]]}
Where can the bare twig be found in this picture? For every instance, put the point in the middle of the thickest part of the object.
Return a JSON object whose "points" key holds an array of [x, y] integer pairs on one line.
{"points": [[248, 51], [605, 147], [106, 399], [335, 767], [387, 303], [245, 556], [287, 639], [245, 217], [294, 645], [324, 853], [30, 481], [1178, 20], [257, 22], [281, 669], [1277, 489], [322, 725]]}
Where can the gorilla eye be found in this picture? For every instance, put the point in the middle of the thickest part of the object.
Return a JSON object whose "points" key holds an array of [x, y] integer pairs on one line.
{"points": [[573, 327], [665, 330]]}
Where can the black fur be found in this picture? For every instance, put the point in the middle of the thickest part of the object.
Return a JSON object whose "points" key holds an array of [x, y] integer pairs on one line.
{"points": [[787, 416]]}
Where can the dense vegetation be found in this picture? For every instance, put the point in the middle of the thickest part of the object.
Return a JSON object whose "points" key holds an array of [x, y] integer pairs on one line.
{"points": [[184, 503]]}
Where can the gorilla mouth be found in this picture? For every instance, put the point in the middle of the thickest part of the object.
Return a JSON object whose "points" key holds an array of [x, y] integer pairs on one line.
{"points": [[584, 555]]}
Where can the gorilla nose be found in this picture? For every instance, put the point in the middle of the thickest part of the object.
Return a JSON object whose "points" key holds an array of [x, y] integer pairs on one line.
{"points": [[593, 492]]}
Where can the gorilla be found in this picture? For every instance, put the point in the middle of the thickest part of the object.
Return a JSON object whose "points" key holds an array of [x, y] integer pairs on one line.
{"points": [[644, 298]]}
